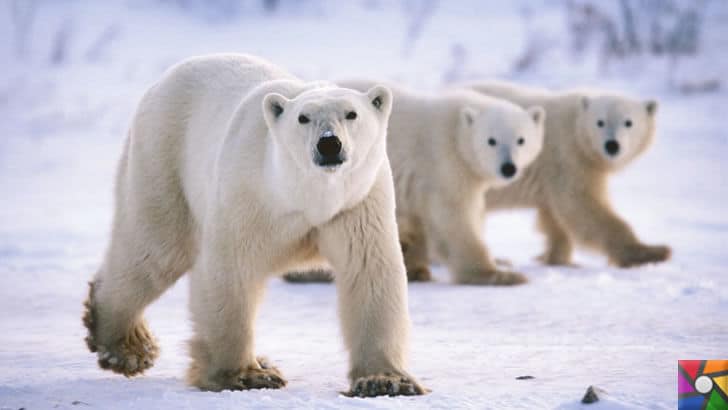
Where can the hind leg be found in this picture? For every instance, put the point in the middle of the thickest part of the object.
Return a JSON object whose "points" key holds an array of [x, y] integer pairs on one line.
{"points": [[413, 242], [590, 219], [150, 249], [559, 246], [116, 331], [132, 277]]}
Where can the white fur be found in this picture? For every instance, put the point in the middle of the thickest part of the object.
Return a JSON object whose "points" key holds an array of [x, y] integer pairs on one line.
{"points": [[216, 180], [568, 181], [443, 164]]}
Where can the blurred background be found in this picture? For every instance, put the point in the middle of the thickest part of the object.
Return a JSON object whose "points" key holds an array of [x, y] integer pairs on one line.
{"points": [[72, 72], [73, 63]]}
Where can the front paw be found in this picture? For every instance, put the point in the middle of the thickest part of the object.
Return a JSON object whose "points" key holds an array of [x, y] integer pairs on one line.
{"points": [[492, 278], [421, 274], [385, 384], [642, 254], [263, 377]]}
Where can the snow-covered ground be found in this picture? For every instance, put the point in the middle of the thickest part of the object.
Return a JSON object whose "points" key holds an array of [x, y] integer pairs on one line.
{"points": [[623, 330]]}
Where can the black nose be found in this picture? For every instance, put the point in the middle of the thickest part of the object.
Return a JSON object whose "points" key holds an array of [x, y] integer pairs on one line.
{"points": [[612, 147], [508, 169], [329, 151], [329, 146]]}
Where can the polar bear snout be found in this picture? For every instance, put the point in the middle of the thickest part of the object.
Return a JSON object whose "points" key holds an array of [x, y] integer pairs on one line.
{"points": [[612, 147], [329, 150], [508, 169]]}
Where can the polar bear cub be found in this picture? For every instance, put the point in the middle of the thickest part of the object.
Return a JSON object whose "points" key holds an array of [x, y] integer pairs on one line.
{"points": [[235, 170], [446, 151], [589, 135]]}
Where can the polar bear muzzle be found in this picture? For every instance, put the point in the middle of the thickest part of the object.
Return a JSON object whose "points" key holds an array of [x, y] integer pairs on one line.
{"points": [[329, 150], [611, 147], [508, 169]]}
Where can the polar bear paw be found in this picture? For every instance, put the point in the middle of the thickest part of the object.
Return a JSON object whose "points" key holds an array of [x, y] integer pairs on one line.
{"points": [[131, 356], [493, 278], [385, 384], [642, 254], [265, 376], [421, 274]]}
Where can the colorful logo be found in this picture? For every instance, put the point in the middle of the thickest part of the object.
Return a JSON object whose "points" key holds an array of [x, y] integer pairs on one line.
{"points": [[702, 384]]}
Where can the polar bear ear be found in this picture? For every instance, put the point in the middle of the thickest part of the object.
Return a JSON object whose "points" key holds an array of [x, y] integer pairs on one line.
{"points": [[273, 106], [467, 116], [651, 106], [381, 98], [537, 113]]}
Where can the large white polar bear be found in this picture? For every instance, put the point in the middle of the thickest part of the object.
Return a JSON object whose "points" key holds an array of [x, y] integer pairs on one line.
{"points": [[589, 134], [446, 151], [235, 170]]}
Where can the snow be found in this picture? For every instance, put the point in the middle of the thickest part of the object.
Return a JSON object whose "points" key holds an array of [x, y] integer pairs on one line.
{"points": [[621, 330]]}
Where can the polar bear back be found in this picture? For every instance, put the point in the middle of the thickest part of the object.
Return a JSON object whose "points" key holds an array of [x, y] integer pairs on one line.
{"points": [[558, 106], [183, 120]]}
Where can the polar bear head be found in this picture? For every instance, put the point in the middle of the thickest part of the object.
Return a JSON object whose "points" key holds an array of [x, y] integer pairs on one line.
{"points": [[328, 129], [500, 139], [615, 129]]}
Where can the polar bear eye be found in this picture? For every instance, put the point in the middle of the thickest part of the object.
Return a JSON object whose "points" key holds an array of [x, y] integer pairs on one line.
{"points": [[628, 123], [302, 119], [491, 142], [600, 123], [521, 141], [351, 115]]}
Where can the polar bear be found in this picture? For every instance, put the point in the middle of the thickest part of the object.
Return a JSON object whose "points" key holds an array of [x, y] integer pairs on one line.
{"points": [[446, 151], [234, 170], [589, 135]]}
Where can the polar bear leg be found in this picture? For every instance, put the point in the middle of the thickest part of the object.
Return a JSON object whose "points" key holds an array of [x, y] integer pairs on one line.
{"points": [[224, 299], [459, 241], [559, 247], [147, 254], [361, 245], [594, 223], [120, 291], [414, 249]]}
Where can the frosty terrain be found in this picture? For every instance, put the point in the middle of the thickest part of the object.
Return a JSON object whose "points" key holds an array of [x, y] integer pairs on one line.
{"points": [[63, 121]]}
